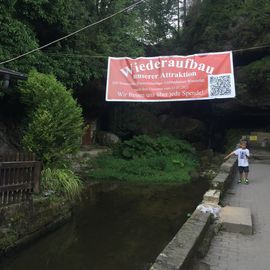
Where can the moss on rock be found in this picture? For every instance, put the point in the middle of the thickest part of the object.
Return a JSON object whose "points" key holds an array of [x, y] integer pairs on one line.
{"points": [[21, 223]]}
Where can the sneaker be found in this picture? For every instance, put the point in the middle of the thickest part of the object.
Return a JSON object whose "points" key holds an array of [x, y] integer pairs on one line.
{"points": [[246, 181], [239, 181]]}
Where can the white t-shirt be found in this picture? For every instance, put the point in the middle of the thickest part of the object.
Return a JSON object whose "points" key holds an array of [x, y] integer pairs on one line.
{"points": [[242, 155]]}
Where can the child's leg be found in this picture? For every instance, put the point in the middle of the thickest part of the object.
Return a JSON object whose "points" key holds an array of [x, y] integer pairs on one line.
{"points": [[246, 174], [242, 176], [241, 173]]}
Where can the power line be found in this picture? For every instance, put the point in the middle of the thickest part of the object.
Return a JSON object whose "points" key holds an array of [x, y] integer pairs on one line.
{"points": [[106, 56], [251, 48], [100, 56], [73, 33], [76, 55]]}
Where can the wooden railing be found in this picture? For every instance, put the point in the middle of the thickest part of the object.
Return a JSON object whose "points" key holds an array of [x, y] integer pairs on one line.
{"points": [[19, 177]]}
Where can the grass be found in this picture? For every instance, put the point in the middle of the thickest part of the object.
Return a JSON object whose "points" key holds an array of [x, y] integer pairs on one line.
{"points": [[145, 159], [62, 181]]}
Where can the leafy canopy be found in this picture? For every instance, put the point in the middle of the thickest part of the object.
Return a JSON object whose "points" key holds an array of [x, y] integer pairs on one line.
{"points": [[27, 24], [224, 25]]}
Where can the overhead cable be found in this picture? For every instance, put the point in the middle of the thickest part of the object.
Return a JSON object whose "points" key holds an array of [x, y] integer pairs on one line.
{"points": [[106, 56], [73, 33], [252, 48]]}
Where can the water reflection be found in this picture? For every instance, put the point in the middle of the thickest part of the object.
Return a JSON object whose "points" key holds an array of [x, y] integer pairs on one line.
{"points": [[117, 227]]}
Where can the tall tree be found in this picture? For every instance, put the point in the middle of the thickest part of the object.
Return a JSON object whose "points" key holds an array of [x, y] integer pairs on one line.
{"points": [[28, 24], [160, 20], [222, 25]]}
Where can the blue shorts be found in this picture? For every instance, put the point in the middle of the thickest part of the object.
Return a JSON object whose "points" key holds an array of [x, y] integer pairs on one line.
{"points": [[243, 169]]}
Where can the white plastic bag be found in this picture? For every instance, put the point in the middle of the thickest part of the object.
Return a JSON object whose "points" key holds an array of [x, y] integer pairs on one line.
{"points": [[209, 208]]}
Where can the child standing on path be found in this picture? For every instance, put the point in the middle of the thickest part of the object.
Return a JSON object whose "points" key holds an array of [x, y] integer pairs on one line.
{"points": [[243, 154]]}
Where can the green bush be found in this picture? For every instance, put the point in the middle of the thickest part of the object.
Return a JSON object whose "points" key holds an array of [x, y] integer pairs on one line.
{"points": [[54, 123], [145, 146], [145, 159], [62, 181]]}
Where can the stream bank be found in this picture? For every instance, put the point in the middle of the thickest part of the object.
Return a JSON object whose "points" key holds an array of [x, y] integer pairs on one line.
{"points": [[22, 223], [117, 226]]}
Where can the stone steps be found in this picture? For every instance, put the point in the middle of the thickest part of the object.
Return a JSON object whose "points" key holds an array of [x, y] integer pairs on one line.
{"points": [[236, 220], [91, 153], [212, 196], [80, 159]]}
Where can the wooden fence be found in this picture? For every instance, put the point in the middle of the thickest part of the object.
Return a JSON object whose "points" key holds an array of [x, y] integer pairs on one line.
{"points": [[19, 177]]}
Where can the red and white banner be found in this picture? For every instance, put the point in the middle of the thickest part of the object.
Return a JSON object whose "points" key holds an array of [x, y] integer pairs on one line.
{"points": [[171, 78]]}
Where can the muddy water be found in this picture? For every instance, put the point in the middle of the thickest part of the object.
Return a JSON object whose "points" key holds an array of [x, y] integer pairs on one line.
{"points": [[116, 227]]}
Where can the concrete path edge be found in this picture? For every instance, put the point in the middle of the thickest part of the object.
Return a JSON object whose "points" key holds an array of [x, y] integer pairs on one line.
{"points": [[181, 252]]}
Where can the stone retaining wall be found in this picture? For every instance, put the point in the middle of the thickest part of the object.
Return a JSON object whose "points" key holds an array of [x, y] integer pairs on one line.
{"points": [[225, 176], [25, 222], [179, 252], [194, 237]]}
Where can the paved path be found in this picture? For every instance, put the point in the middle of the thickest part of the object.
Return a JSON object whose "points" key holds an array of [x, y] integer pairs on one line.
{"points": [[231, 251]]}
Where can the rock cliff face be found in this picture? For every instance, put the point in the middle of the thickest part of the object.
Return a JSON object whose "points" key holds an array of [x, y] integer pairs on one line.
{"points": [[240, 26], [7, 139], [185, 127], [253, 84], [252, 90]]}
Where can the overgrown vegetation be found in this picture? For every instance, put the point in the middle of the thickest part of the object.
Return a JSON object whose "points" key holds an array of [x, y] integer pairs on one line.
{"points": [[53, 125], [27, 24], [53, 129], [146, 159], [54, 119], [225, 25], [62, 181]]}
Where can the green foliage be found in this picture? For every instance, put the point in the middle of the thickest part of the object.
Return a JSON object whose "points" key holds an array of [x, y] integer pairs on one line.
{"points": [[222, 25], [145, 159], [28, 24], [145, 146], [8, 240], [256, 76], [62, 181], [54, 119], [43, 10], [16, 38], [172, 168], [158, 20]]}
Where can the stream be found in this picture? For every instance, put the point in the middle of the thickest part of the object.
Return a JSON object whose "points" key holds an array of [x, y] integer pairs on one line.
{"points": [[115, 226]]}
